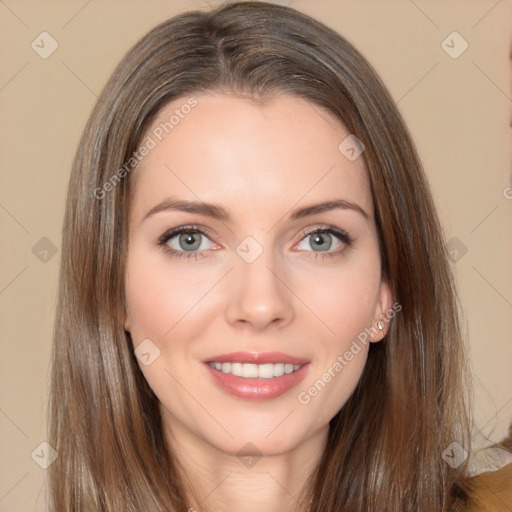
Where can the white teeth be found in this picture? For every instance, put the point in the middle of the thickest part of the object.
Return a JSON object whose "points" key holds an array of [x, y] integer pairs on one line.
{"points": [[278, 369], [236, 369], [265, 371], [251, 371]]}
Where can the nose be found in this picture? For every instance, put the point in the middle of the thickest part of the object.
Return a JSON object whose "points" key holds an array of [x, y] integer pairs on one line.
{"points": [[259, 298]]}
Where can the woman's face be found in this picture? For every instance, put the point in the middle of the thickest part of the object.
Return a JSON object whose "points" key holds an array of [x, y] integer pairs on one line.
{"points": [[253, 247]]}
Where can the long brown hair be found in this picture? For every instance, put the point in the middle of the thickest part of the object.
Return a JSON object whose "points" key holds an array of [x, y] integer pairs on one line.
{"points": [[385, 446]]}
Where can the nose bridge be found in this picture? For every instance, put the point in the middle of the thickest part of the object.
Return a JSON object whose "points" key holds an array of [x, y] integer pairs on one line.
{"points": [[259, 296]]}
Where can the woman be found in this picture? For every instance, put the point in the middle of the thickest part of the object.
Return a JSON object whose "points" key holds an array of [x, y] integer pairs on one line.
{"points": [[256, 309]]}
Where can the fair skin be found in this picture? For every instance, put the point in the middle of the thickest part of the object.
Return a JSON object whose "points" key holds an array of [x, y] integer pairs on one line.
{"points": [[308, 296]]}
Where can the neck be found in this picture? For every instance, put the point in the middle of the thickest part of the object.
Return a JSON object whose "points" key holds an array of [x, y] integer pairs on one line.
{"points": [[221, 482]]}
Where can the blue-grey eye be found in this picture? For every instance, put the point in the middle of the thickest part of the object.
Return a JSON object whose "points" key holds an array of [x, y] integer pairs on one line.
{"points": [[190, 241], [319, 241]]}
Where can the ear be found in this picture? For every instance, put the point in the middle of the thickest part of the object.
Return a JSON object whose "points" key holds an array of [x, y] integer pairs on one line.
{"points": [[383, 306], [127, 325]]}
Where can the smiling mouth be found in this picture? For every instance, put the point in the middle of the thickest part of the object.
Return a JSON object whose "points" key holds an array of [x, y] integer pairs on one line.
{"points": [[253, 371]]}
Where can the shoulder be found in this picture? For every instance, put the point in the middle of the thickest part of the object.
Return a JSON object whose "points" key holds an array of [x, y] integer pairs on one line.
{"points": [[489, 486]]}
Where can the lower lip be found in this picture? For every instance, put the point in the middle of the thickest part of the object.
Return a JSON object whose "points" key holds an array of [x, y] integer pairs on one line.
{"points": [[257, 389]]}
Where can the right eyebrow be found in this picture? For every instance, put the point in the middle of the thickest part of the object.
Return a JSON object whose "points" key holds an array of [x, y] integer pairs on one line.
{"points": [[209, 209]]}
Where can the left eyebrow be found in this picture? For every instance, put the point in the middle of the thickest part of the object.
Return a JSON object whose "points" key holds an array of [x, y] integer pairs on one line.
{"points": [[326, 206]]}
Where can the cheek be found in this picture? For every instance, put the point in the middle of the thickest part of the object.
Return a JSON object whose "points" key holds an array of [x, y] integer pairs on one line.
{"points": [[344, 303], [342, 298], [161, 297]]}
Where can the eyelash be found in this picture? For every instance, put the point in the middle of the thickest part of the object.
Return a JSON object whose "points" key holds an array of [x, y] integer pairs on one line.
{"points": [[342, 235]]}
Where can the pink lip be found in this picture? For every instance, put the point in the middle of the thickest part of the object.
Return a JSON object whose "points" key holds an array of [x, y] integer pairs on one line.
{"points": [[257, 389], [256, 358]]}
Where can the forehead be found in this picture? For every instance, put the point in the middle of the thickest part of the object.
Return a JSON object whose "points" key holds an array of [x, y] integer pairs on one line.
{"points": [[250, 156]]}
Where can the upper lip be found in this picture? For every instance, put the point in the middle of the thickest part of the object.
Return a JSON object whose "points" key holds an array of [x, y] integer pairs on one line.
{"points": [[256, 358]]}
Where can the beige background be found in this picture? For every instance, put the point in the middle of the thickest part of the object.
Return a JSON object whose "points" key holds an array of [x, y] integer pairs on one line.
{"points": [[458, 110]]}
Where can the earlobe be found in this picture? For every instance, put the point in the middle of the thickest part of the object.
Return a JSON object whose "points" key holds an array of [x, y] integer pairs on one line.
{"points": [[380, 325], [378, 331], [127, 326]]}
